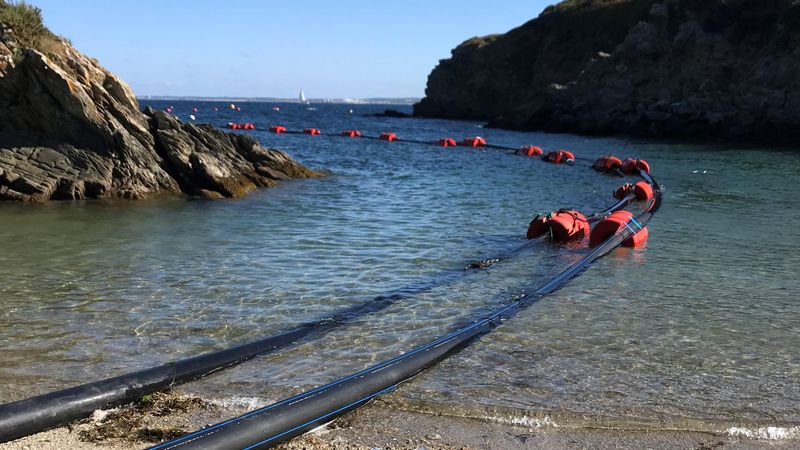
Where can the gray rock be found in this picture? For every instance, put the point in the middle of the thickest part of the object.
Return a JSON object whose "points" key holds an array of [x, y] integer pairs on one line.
{"points": [[71, 130], [679, 68]]}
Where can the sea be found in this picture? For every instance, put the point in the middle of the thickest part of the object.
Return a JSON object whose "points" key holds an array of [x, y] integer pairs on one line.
{"points": [[698, 330]]}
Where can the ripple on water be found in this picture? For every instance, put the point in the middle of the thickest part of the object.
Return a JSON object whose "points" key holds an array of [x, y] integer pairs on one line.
{"points": [[700, 329]]}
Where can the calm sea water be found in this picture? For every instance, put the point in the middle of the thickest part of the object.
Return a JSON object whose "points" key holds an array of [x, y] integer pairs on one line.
{"points": [[699, 330]]}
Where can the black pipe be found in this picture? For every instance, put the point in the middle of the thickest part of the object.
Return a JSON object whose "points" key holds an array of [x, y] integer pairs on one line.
{"points": [[281, 421], [32, 415]]}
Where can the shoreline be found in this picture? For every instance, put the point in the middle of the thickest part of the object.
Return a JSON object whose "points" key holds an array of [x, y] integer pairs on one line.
{"points": [[380, 424]]}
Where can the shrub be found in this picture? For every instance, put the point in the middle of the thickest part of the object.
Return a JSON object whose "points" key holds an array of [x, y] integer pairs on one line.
{"points": [[26, 22]]}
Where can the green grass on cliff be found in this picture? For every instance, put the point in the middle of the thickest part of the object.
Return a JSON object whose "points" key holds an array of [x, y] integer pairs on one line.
{"points": [[27, 26]]}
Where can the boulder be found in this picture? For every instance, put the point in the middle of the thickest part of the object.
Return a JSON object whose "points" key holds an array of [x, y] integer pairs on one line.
{"points": [[70, 129]]}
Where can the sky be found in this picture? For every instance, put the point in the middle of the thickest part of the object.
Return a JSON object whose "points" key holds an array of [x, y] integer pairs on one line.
{"points": [[251, 48]]}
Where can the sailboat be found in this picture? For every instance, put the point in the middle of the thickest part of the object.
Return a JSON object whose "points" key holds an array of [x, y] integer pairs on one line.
{"points": [[303, 101]]}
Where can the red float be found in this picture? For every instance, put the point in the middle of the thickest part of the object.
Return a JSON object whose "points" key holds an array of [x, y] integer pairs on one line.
{"points": [[563, 225], [559, 157], [351, 133], [386, 136], [607, 163], [643, 190], [446, 142], [311, 131], [633, 166], [474, 141], [277, 129], [530, 150], [638, 240], [623, 190]]}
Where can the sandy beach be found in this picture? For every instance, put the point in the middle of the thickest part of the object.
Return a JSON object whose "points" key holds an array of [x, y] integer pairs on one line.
{"points": [[379, 425]]}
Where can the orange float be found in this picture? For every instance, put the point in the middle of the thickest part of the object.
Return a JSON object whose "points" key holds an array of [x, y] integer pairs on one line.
{"points": [[474, 141], [563, 225]]}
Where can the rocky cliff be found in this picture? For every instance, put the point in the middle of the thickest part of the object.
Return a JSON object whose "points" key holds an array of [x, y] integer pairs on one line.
{"points": [[69, 129], [672, 68]]}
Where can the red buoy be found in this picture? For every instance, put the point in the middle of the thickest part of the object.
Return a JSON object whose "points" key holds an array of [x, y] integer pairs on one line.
{"points": [[633, 166], [608, 227], [446, 142], [638, 240], [607, 163], [311, 131], [386, 136], [628, 166], [612, 224], [474, 141], [643, 190], [530, 150], [563, 225], [351, 133], [195, 109], [277, 129], [559, 157], [248, 126], [623, 190]]}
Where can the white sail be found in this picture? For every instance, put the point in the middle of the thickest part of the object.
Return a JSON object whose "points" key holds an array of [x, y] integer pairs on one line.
{"points": [[303, 97]]}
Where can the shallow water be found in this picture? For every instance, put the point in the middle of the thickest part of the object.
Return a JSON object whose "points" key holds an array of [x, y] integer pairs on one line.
{"points": [[699, 330]]}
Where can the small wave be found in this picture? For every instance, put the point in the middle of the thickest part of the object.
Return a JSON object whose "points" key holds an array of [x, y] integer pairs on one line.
{"points": [[525, 421], [766, 433], [248, 403]]}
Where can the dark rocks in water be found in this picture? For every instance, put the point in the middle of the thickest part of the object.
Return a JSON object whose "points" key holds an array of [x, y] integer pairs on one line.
{"points": [[672, 68], [69, 129], [390, 113]]}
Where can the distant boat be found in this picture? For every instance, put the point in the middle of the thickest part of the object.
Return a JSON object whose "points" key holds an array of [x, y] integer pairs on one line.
{"points": [[303, 97]]}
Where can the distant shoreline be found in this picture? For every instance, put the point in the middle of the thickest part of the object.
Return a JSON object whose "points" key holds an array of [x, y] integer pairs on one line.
{"points": [[346, 101]]}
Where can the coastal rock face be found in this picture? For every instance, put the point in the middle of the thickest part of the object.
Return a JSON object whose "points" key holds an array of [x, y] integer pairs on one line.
{"points": [[677, 68], [69, 129]]}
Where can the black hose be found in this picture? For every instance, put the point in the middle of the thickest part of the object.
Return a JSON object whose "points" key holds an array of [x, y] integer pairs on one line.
{"points": [[32, 415], [281, 421]]}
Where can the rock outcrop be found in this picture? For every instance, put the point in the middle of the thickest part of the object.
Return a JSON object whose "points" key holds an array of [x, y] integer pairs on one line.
{"points": [[673, 68], [69, 129]]}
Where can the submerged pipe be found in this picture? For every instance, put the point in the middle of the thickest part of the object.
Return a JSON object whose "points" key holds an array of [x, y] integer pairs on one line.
{"points": [[35, 414], [281, 421]]}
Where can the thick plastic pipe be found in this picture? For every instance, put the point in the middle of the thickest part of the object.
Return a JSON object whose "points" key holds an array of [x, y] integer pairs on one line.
{"points": [[276, 423], [28, 416]]}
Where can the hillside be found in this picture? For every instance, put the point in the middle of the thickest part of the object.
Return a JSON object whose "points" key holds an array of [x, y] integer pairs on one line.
{"points": [[674, 68]]}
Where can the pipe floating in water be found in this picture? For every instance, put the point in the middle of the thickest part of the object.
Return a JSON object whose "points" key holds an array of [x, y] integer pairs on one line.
{"points": [[446, 142], [279, 422], [40, 413]]}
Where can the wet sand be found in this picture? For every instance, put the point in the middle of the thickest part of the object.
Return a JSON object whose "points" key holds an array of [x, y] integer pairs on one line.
{"points": [[376, 426]]}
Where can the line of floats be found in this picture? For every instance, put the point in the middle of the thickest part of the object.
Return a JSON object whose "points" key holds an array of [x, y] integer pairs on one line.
{"points": [[562, 225], [280, 421]]}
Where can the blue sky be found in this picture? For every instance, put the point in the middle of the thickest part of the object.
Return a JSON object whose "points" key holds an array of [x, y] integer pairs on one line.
{"points": [[356, 48]]}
